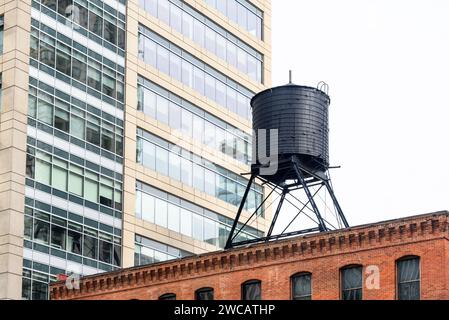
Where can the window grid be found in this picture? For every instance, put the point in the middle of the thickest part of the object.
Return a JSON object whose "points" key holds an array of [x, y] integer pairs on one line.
{"points": [[78, 69], [73, 178], [70, 123], [208, 35], [81, 13], [207, 129], [186, 218], [180, 65], [180, 164], [148, 251], [245, 14], [80, 242]]}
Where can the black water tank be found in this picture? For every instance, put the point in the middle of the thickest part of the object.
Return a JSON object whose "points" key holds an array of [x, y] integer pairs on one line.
{"points": [[300, 114]]}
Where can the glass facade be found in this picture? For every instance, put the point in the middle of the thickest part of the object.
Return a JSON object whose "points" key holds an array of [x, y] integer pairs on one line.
{"points": [[148, 251], [75, 121], [68, 174], [74, 171], [207, 34], [182, 165], [179, 215], [66, 235], [75, 64], [95, 20], [192, 121], [192, 72], [242, 12]]}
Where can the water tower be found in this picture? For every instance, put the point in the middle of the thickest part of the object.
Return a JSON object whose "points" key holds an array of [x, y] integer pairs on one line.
{"points": [[291, 129]]}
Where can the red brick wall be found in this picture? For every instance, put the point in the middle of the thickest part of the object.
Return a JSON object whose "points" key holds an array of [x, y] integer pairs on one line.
{"points": [[274, 263]]}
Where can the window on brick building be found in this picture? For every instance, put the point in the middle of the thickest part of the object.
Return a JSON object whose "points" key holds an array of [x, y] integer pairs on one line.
{"points": [[204, 294], [168, 296], [301, 286], [351, 283], [408, 278], [252, 290]]}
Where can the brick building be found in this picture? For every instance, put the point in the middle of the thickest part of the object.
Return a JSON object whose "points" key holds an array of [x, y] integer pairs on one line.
{"points": [[406, 258]]}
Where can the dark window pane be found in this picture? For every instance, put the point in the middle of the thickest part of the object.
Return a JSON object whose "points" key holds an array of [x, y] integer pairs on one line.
{"points": [[62, 7], [58, 237], [79, 70], [168, 296], [74, 242], [252, 290], [118, 255], [408, 279], [204, 294], [40, 291], [351, 282], [61, 120], [95, 23], [41, 231], [110, 32], [63, 63], [302, 287], [90, 247], [93, 133], [105, 251], [26, 288]]}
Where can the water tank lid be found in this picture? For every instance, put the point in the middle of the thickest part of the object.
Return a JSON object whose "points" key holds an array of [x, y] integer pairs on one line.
{"points": [[287, 86]]}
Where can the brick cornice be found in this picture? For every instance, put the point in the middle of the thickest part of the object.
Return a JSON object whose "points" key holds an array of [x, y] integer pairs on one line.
{"points": [[366, 237]]}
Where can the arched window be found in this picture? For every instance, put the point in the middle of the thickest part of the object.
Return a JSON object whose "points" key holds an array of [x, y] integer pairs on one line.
{"points": [[301, 284], [168, 296], [408, 277], [204, 294], [351, 282], [252, 290]]}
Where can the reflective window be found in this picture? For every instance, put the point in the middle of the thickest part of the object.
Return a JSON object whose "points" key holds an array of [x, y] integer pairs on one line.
{"points": [[252, 290], [228, 187], [70, 58], [64, 176], [351, 283], [207, 34], [184, 217], [149, 251], [301, 286], [66, 236], [408, 278], [245, 14], [60, 114], [193, 122], [193, 73]]}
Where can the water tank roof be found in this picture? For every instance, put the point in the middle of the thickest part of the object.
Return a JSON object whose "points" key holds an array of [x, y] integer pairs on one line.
{"points": [[269, 90]]}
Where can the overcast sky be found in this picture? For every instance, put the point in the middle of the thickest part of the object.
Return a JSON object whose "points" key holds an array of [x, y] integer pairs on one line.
{"points": [[387, 66]]}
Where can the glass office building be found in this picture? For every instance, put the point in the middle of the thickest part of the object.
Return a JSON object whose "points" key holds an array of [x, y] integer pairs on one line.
{"points": [[125, 126]]}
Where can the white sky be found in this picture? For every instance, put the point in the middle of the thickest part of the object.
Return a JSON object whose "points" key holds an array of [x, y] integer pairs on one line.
{"points": [[387, 66]]}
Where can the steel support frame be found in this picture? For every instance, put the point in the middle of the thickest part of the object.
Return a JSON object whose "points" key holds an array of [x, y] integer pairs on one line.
{"points": [[302, 183]]}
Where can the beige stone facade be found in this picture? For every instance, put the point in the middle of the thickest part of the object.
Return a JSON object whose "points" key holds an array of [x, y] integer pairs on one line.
{"points": [[13, 133]]}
